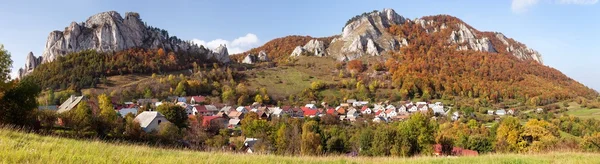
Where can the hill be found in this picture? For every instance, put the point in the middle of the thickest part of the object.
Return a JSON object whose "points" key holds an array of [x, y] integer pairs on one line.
{"points": [[19, 147], [280, 48]]}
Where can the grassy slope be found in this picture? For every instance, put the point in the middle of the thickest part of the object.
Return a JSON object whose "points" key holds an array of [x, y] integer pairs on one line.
{"points": [[578, 111], [18, 147]]}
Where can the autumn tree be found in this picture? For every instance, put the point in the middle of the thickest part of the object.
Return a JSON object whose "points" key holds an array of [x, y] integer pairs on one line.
{"points": [[355, 66], [311, 139], [508, 135]]}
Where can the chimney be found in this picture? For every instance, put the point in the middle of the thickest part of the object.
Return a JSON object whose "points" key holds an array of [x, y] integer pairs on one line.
{"points": [[72, 98]]}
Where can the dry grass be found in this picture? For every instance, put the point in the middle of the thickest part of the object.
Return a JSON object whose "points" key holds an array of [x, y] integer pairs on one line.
{"points": [[19, 147]]}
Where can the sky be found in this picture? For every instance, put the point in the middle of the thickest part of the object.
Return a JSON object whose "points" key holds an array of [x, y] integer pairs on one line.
{"points": [[565, 32]]}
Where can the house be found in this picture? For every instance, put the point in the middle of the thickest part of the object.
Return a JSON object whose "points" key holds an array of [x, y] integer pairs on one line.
{"points": [[490, 112], [214, 120], [211, 108], [233, 123], [202, 110], [241, 109], [412, 108], [124, 111], [235, 115], [249, 144], [352, 114], [181, 99], [226, 109], [262, 115], [511, 112], [455, 116], [391, 113], [197, 99], [308, 112], [380, 113], [276, 112], [331, 111], [390, 107], [402, 108], [311, 106], [150, 120], [156, 104], [500, 112], [360, 103], [366, 110], [539, 110], [439, 111], [345, 105], [422, 107], [341, 110], [378, 107], [70, 103]]}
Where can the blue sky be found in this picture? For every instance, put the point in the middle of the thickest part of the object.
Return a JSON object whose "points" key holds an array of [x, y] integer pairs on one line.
{"points": [[565, 32]]}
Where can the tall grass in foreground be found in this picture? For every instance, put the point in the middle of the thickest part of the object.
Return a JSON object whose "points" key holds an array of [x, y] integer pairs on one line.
{"points": [[21, 147]]}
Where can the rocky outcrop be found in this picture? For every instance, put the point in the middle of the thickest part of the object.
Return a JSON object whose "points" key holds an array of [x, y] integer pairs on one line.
{"points": [[519, 51], [31, 63], [367, 35], [467, 36], [262, 56], [109, 32], [252, 59], [298, 51], [220, 54], [315, 46]]}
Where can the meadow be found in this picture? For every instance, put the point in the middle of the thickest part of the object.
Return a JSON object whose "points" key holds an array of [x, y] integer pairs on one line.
{"points": [[21, 147]]}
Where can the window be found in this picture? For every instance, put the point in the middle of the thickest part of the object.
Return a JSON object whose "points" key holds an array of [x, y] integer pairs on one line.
{"points": [[159, 121]]}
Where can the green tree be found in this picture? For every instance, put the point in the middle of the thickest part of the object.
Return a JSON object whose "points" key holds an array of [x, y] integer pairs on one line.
{"points": [[82, 118], [181, 88], [365, 142], [383, 140], [5, 65], [168, 132], [148, 93], [18, 104], [175, 114], [591, 142]]}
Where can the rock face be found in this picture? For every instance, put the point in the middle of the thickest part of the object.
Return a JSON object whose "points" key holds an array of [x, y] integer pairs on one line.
{"points": [[315, 46], [220, 54], [252, 59], [31, 63], [297, 51], [262, 56], [466, 35], [108, 31], [367, 35]]}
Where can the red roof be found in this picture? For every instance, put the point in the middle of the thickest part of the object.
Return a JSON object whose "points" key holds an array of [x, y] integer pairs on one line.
{"points": [[364, 108], [198, 98], [330, 111], [309, 112], [200, 108], [206, 120], [378, 112]]}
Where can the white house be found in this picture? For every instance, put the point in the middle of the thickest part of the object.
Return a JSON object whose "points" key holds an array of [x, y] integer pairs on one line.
{"points": [[351, 114], [156, 104], [501, 112], [412, 108], [423, 107], [249, 144], [390, 107], [402, 108], [366, 110], [69, 104], [391, 113], [150, 120], [378, 107], [241, 109]]}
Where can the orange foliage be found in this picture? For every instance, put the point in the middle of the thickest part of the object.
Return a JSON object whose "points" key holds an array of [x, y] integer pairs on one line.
{"points": [[355, 65], [280, 48]]}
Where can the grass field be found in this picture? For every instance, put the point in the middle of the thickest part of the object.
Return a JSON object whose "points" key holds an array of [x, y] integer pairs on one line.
{"points": [[576, 110], [19, 147]]}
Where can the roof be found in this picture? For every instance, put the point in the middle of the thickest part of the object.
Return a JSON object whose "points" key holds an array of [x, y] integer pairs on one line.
{"points": [[330, 111], [125, 111], [200, 108], [211, 108], [69, 104], [234, 121], [198, 98], [234, 113], [146, 117], [310, 112], [364, 108], [206, 120], [226, 109], [389, 111]]}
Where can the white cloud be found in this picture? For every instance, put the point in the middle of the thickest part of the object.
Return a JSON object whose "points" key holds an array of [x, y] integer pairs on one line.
{"points": [[578, 2], [238, 45], [519, 6]]}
